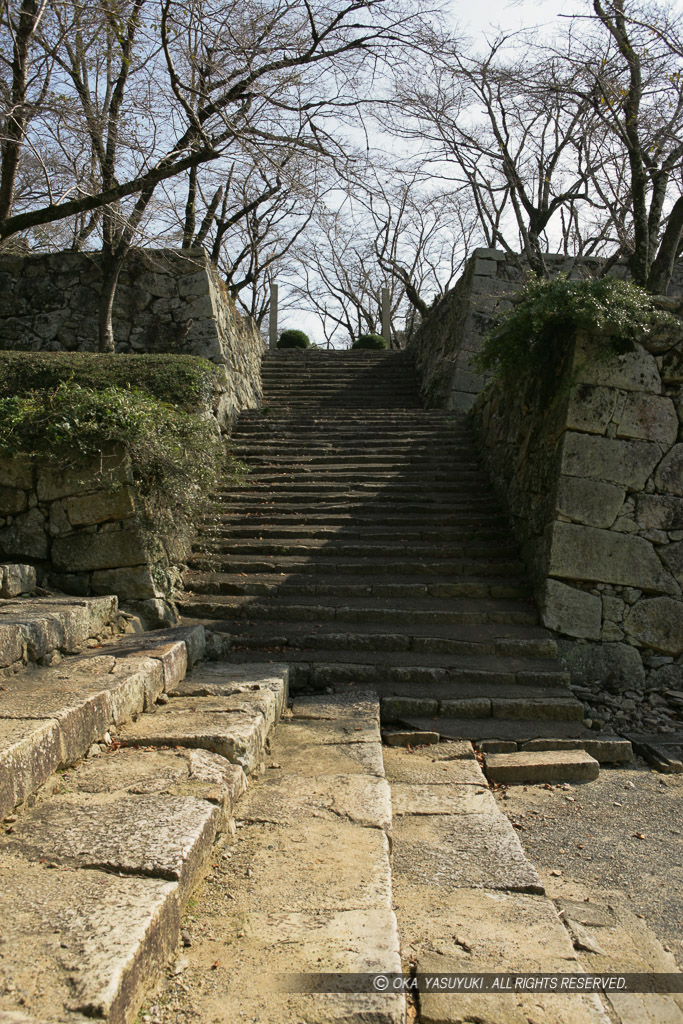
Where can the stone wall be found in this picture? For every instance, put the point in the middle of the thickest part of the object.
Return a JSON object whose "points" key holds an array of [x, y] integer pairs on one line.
{"points": [[166, 301], [455, 328], [78, 524], [592, 477]]}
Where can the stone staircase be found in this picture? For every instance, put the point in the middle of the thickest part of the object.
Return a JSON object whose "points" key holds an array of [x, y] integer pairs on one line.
{"points": [[365, 547]]}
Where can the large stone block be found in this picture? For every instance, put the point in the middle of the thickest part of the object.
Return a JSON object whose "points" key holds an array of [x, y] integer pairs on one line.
{"points": [[658, 623], [12, 500], [591, 502], [591, 408], [17, 473], [669, 475], [629, 463], [100, 506], [131, 583], [659, 512], [26, 537], [584, 553], [83, 551], [631, 371], [599, 662], [672, 556], [649, 417], [111, 467], [569, 610], [17, 579]]}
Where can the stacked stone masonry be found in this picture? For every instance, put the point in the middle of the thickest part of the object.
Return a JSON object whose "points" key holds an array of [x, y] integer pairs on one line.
{"points": [[593, 482], [166, 301], [78, 525], [454, 330]]}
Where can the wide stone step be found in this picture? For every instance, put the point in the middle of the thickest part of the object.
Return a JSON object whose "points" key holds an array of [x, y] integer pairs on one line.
{"points": [[508, 735], [541, 766], [310, 518], [274, 584], [96, 874], [237, 504], [50, 717], [357, 549], [333, 473], [429, 611], [270, 531], [509, 640], [358, 567]]}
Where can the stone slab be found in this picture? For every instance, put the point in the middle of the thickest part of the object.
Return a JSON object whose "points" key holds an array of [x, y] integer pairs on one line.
{"points": [[156, 836], [417, 798], [630, 371], [605, 750], [542, 766], [315, 863], [320, 732], [238, 736], [16, 580], [570, 610], [403, 766], [583, 553], [469, 851], [289, 742], [208, 681], [626, 463], [83, 941], [82, 552], [487, 932], [359, 704], [265, 949], [84, 702], [360, 799], [591, 502], [193, 637], [195, 773], [409, 737], [264, 702], [30, 751]]}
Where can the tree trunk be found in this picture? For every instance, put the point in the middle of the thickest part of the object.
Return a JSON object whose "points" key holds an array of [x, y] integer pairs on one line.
{"points": [[662, 267], [111, 268]]}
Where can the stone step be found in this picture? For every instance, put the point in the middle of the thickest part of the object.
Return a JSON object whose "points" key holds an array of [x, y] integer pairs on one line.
{"points": [[347, 532], [468, 900], [228, 544], [41, 629], [428, 676], [541, 766], [96, 874], [328, 565], [50, 717], [306, 886], [475, 700], [241, 504], [430, 611], [272, 583], [507, 736], [509, 641], [333, 474], [310, 519]]}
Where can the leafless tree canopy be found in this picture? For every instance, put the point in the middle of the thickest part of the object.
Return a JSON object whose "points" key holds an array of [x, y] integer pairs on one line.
{"points": [[342, 145]]}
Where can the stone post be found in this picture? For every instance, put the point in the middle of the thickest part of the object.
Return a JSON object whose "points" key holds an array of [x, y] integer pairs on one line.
{"points": [[386, 316], [272, 323]]}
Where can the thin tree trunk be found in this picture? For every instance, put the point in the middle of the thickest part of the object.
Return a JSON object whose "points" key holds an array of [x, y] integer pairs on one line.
{"points": [[662, 267], [111, 268]]}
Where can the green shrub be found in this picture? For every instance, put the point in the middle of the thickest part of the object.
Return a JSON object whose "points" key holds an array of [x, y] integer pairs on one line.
{"points": [[185, 381], [375, 341], [529, 338], [175, 456], [293, 339]]}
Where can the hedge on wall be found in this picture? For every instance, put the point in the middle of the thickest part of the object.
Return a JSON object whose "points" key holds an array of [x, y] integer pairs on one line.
{"points": [[176, 457], [371, 341], [186, 381]]}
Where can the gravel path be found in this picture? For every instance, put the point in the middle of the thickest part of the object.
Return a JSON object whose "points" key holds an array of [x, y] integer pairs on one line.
{"points": [[623, 832]]}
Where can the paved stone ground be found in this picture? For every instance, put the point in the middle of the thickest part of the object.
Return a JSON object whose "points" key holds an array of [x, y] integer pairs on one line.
{"points": [[622, 833]]}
